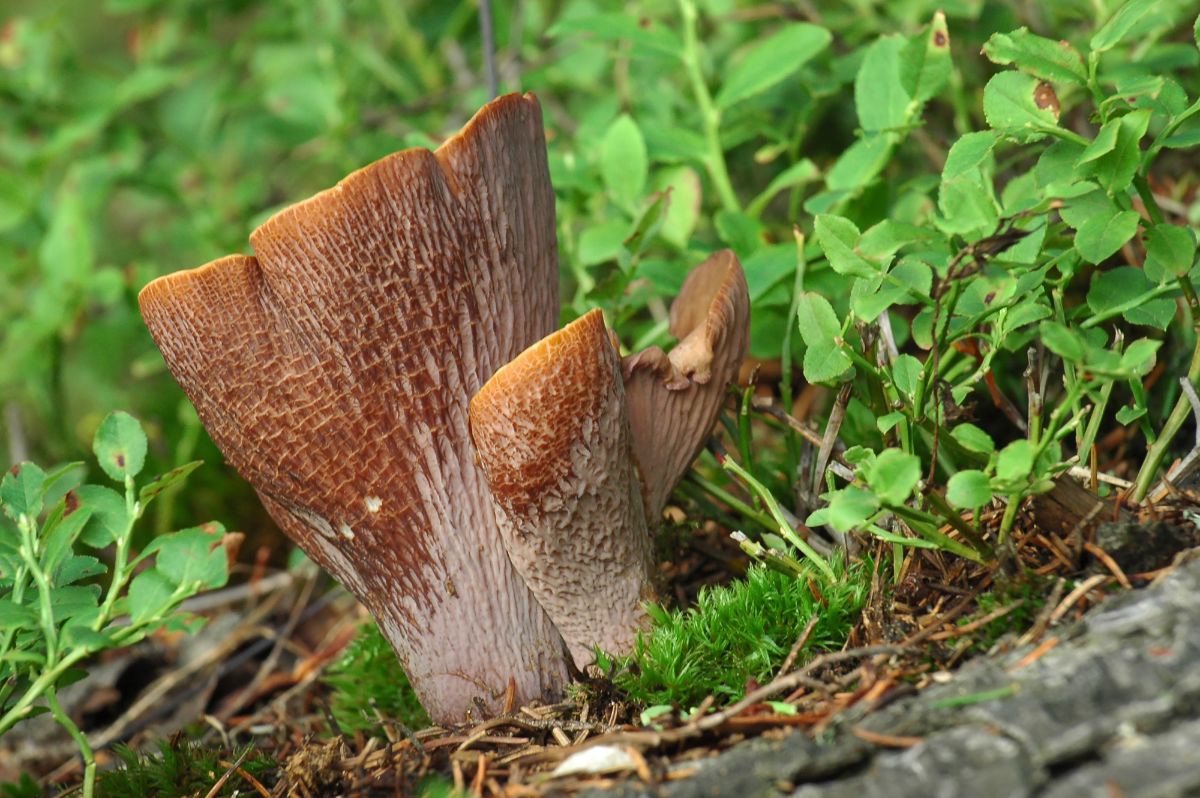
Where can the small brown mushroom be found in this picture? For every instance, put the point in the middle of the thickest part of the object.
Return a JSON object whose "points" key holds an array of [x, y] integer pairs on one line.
{"points": [[553, 439], [673, 399], [334, 368]]}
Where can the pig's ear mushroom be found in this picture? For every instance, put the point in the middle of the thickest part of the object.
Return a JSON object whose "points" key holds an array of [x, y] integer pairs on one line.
{"points": [[334, 369], [553, 438], [673, 398]]}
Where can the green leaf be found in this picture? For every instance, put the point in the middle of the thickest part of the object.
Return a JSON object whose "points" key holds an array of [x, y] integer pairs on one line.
{"points": [[14, 616], [973, 439], [1019, 105], [771, 61], [17, 197], [1063, 341], [880, 99], [906, 374], [970, 152], [1024, 313], [739, 231], [1127, 415], [79, 636], [150, 594], [66, 254], [825, 360], [120, 446], [1101, 236], [602, 242], [192, 556], [1113, 158], [781, 707], [70, 600], [109, 517], [888, 421], [1170, 252], [925, 64], [850, 507], [683, 209], [62, 479], [838, 238], [1055, 172], [1015, 461], [800, 173], [644, 34], [968, 207], [623, 162], [1081, 207], [1120, 24], [861, 162], [1115, 287], [60, 536], [1157, 313], [1045, 58], [872, 296], [894, 475], [21, 490], [78, 567], [968, 490], [650, 713], [160, 483], [1139, 357], [1105, 141]]}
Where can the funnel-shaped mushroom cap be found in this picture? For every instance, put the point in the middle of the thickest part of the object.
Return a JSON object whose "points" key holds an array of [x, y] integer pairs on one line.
{"points": [[334, 371], [673, 399], [553, 439]]}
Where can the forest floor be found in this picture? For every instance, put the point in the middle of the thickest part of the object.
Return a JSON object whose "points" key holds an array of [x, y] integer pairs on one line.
{"points": [[244, 699]]}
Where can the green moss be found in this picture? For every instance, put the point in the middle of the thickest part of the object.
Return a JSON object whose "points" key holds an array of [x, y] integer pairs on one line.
{"points": [[368, 682], [182, 767], [1030, 588], [740, 632]]}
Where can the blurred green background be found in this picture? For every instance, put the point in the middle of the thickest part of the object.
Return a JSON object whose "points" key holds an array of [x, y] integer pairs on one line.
{"points": [[138, 137]]}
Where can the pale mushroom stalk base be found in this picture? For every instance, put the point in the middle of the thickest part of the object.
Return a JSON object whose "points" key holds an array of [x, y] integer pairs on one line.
{"points": [[334, 370]]}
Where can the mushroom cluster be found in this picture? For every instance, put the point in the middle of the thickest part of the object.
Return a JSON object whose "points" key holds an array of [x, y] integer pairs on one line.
{"points": [[385, 373]]}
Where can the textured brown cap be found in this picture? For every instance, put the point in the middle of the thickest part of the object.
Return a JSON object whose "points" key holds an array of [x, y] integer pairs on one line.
{"points": [[553, 439], [334, 370], [673, 399]]}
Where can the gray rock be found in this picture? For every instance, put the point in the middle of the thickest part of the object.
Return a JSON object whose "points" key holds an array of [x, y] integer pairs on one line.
{"points": [[1113, 709]]}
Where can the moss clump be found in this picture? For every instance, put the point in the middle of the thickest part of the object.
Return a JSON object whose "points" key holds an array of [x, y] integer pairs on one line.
{"points": [[368, 682], [740, 632], [182, 767]]}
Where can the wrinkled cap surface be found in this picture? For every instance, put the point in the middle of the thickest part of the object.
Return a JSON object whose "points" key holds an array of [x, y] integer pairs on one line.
{"points": [[333, 368]]}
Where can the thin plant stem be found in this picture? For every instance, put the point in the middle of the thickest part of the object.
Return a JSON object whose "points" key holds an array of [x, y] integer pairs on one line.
{"points": [[714, 158]]}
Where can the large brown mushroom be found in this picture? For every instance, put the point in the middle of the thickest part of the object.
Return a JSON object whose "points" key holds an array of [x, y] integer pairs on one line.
{"points": [[334, 370]]}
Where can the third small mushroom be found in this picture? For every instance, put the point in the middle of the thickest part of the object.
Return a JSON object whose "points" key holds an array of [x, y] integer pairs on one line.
{"points": [[385, 372]]}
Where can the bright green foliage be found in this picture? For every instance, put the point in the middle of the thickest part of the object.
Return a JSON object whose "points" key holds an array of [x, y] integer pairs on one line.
{"points": [[1005, 256], [370, 687], [740, 632], [182, 767], [54, 612]]}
